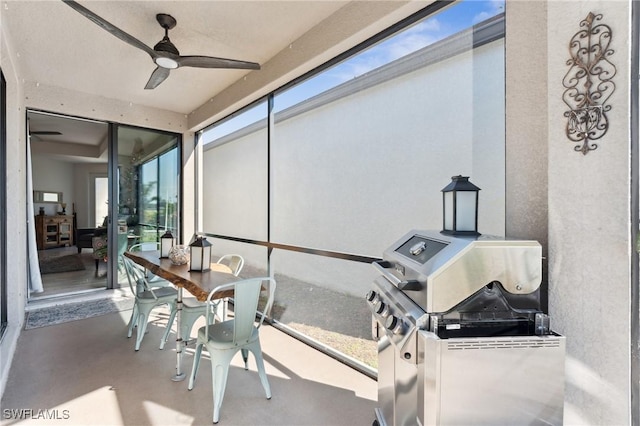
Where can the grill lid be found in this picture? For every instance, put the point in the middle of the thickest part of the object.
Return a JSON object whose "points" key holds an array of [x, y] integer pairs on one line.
{"points": [[439, 271]]}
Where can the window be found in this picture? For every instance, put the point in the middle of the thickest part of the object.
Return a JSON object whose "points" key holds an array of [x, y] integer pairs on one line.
{"points": [[147, 188], [101, 192], [158, 194], [330, 170]]}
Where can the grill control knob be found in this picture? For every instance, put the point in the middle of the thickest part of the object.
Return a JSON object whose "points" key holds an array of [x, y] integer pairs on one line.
{"points": [[393, 324], [372, 296], [381, 308]]}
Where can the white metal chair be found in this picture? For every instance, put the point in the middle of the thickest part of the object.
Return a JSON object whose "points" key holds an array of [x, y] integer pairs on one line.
{"points": [[235, 262], [192, 308], [147, 298], [148, 246], [224, 339], [153, 280]]}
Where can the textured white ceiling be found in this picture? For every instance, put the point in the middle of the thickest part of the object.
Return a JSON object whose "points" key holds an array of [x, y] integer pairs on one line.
{"points": [[57, 46], [53, 46]]}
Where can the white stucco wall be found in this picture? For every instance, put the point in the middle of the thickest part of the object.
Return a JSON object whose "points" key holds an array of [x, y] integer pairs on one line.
{"points": [[589, 229], [356, 174], [53, 175], [16, 211], [234, 189], [360, 172]]}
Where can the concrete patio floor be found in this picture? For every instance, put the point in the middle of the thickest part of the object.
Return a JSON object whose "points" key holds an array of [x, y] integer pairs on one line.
{"points": [[87, 373]]}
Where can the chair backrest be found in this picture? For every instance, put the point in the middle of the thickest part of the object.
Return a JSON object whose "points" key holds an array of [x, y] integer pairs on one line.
{"points": [[245, 305], [122, 243], [135, 276], [148, 246], [235, 262]]}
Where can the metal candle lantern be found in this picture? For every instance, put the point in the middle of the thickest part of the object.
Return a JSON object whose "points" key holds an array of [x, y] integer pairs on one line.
{"points": [[166, 242], [200, 251], [460, 207]]}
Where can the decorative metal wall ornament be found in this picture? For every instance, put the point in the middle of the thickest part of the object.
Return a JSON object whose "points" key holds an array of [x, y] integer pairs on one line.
{"points": [[589, 83]]}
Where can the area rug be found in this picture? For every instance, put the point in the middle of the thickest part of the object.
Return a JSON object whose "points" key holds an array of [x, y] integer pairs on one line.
{"points": [[75, 311], [68, 263]]}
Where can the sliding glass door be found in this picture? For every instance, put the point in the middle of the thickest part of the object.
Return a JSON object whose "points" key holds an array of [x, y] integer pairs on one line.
{"points": [[146, 168]]}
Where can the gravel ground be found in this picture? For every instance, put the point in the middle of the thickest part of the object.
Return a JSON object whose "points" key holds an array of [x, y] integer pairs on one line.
{"points": [[338, 320]]}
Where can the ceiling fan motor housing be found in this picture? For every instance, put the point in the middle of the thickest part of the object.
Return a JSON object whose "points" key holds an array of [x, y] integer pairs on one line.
{"points": [[167, 22], [165, 45]]}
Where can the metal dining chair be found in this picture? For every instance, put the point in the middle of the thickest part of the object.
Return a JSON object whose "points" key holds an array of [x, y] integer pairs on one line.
{"points": [[148, 246], [153, 280], [147, 298], [241, 333], [235, 262], [192, 308]]}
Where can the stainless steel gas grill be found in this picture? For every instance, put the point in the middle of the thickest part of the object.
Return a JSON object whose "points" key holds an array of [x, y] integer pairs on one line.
{"points": [[461, 337]]}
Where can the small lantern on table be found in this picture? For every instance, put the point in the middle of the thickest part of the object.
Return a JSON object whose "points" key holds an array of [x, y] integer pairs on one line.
{"points": [[166, 242], [460, 207], [200, 251]]}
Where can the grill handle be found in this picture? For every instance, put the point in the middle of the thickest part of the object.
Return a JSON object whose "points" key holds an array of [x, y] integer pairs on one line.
{"points": [[384, 267], [412, 285]]}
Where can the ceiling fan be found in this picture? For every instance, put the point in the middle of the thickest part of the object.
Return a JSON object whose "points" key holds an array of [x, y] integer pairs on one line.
{"points": [[165, 54]]}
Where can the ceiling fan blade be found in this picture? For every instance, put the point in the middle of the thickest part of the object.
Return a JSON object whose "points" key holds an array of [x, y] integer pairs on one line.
{"points": [[104, 24], [157, 77], [211, 62]]}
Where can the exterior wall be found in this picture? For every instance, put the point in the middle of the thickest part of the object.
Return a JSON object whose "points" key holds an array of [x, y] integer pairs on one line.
{"points": [[234, 185], [526, 148], [388, 149], [16, 212], [577, 206], [589, 229]]}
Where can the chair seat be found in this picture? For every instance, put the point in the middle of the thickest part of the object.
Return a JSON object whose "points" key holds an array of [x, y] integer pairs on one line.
{"points": [[192, 302], [192, 308], [221, 336], [147, 299], [161, 293], [240, 334]]}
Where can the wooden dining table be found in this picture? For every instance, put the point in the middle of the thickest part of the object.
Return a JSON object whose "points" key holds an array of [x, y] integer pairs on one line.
{"points": [[199, 284]]}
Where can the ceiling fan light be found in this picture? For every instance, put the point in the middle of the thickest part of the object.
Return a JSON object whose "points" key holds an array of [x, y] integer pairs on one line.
{"points": [[166, 62]]}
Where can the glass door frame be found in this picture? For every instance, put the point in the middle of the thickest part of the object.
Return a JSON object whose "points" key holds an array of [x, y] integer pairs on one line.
{"points": [[3, 206], [113, 191], [635, 213]]}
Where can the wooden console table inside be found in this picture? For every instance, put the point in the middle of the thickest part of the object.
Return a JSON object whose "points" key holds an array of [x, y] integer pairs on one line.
{"points": [[54, 231]]}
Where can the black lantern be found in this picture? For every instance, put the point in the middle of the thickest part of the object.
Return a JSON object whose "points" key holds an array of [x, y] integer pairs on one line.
{"points": [[200, 251], [166, 242], [460, 207]]}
